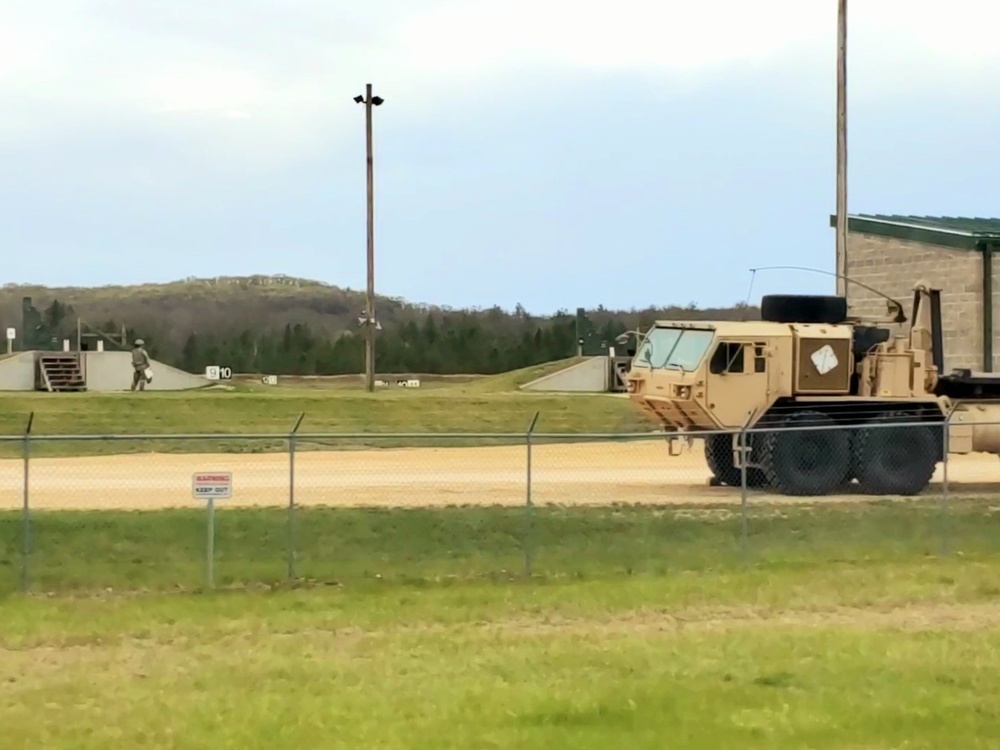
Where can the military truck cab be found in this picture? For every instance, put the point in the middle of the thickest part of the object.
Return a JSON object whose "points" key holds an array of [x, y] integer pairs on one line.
{"points": [[878, 402]]}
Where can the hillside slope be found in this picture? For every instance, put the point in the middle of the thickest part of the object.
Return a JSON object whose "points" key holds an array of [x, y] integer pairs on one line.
{"points": [[267, 303], [287, 325], [220, 305]]}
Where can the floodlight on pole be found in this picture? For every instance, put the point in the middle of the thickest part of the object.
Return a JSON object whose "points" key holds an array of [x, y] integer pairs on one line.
{"points": [[370, 322]]}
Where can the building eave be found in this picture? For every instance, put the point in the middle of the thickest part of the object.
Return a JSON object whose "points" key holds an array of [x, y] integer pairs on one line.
{"points": [[902, 230]]}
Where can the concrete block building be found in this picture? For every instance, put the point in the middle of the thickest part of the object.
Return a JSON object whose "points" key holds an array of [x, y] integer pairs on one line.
{"points": [[955, 255]]}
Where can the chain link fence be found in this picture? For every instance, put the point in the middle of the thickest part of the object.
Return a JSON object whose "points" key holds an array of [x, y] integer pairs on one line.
{"points": [[93, 512]]}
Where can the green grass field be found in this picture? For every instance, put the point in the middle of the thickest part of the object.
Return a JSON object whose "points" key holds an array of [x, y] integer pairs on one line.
{"points": [[830, 626], [842, 628], [86, 551], [486, 405]]}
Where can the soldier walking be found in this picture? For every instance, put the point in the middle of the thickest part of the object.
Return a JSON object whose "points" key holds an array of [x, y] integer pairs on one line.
{"points": [[140, 363]]}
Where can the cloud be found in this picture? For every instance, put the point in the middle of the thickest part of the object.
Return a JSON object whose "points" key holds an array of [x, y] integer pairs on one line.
{"points": [[893, 43], [266, 81], [631, 35]]}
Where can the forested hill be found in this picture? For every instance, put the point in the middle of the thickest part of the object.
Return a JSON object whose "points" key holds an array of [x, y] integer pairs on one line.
{"points": [[276, 324]]}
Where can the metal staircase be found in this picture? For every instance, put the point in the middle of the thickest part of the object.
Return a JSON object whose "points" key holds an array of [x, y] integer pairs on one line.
{"points": [[59, 373]]}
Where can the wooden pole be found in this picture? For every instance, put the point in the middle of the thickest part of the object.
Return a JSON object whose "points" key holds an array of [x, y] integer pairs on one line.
{"points": [[369, 321], [842, 147], [370, 293]]}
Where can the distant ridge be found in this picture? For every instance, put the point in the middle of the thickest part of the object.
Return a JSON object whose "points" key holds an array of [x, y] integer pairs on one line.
{"points": [[248, 309]]}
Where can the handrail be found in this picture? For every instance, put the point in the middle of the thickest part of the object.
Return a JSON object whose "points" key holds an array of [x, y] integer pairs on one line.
{"points": [[80, 324]]}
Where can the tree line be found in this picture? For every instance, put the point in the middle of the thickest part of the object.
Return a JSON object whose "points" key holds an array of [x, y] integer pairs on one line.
{"points": [[435, 342], [445, 345]]}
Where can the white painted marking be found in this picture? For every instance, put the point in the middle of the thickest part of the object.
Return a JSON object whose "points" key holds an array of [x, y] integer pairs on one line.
{"points": [[824, 359]]}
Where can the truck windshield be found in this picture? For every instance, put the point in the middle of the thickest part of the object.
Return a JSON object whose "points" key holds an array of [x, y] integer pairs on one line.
{"points": [[673, 348]]}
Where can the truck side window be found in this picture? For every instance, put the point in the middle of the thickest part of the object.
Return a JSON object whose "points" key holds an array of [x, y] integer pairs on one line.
{"points": [[759, 361], [727, 358]]}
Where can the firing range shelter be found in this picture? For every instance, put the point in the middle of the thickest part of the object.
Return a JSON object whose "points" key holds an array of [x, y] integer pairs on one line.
{"points": [[956, 255], [49, 360]]}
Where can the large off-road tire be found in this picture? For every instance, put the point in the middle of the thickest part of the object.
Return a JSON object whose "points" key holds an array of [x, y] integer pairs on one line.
{"points": [[719, 456], [803, 308], [806, 461], [897, 460]]}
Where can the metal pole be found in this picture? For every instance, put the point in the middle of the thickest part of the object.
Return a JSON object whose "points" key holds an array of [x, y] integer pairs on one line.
{"points": [[370, 293], [944, 488], [842, 148], [291, 497], [291, 508], [26, 509], [529, 504], [744, 530], [210, 545]]}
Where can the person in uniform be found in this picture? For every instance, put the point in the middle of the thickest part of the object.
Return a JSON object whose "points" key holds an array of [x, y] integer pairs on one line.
{"points": [[140, 361]]}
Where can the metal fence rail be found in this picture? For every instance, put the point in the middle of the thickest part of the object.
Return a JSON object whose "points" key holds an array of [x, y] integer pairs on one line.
{"points": [[538, 503]]}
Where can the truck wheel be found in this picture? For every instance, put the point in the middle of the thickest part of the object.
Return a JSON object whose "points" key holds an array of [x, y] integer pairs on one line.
{"points": [[897, 460], [806, 461], [719, 456]]}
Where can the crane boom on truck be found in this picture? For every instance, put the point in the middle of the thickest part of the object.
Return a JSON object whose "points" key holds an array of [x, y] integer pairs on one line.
{"points": [[825, 399]]}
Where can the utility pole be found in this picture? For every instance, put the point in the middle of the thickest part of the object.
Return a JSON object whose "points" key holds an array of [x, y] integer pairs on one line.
{"points": [[369, 320], [842, 147]]}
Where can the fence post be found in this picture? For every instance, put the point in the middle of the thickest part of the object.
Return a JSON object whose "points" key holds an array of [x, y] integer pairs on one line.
{"points": [[945, 444], [291, 496], [743, 494], [210, 543], [528, 501], [26, 510]]}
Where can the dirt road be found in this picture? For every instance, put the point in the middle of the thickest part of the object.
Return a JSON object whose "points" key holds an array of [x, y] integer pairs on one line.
{"points": [[639, 472]]}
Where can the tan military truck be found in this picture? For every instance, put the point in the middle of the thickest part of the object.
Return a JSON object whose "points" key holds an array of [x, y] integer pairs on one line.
{"points": [[806, 364]]}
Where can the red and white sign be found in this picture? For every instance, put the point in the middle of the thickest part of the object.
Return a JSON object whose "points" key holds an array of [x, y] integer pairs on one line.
{"points": [[212, 484]]}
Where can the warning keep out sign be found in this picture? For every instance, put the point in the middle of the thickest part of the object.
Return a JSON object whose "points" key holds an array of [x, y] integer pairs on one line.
{"points": [[212, 484]]}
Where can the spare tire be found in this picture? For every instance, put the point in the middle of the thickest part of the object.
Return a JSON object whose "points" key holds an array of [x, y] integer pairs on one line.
{"points": [[803, 308]]}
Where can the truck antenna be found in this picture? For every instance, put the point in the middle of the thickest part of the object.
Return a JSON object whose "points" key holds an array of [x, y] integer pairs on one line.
{"points": [[900, 316]]}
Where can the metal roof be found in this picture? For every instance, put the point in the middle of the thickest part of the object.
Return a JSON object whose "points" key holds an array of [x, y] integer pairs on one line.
{"points": [[966, 232]]}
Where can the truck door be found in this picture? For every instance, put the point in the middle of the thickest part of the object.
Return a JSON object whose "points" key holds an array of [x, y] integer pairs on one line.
{"points": [[737, 381]]}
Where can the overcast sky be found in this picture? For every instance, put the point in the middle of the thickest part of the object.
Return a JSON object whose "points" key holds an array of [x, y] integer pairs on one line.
{"points": [[552, 153]]}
